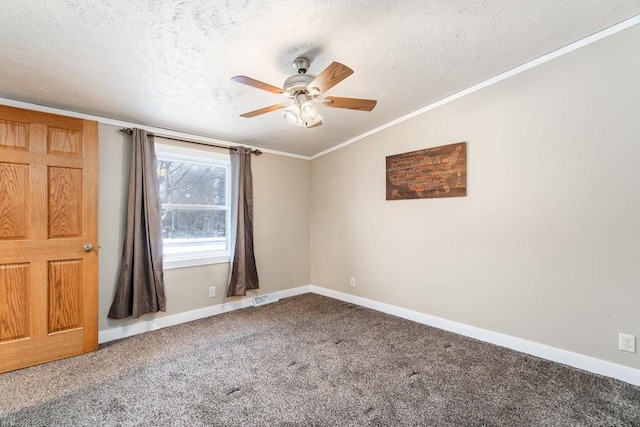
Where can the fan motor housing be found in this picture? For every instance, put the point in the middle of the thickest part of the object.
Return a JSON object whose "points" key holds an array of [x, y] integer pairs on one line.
{"points": [[297, 82]]}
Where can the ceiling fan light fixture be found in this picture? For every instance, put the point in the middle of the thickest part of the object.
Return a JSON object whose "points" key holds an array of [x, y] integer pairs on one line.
{"points": [[311, 123], [292, 114], [309, 113], [304, 117], [302, 112]]}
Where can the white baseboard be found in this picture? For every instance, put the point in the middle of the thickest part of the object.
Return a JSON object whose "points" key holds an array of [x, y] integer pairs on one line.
{"points": [[580, 361], [160, 322]]}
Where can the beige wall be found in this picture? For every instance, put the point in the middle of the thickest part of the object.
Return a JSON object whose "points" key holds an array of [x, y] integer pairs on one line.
{"points": [[281, 216], [545, 247]]}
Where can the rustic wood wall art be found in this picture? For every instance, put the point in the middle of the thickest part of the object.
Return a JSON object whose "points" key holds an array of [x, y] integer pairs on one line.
{"points": [[430, 173]]}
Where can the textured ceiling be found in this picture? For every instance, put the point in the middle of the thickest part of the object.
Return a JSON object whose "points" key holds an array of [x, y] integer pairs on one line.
{"points": [[169, 64]]}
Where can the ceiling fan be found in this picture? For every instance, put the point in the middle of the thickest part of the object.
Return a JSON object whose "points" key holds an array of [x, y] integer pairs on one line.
{"points": [[305, 90]]}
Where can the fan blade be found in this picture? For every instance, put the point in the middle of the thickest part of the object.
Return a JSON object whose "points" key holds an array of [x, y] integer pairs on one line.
{"points": [[314, 125], [350, 103], [257, 84], [330, 76], [263, 110]]}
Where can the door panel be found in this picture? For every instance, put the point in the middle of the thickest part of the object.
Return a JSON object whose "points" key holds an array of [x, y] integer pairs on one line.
{"points": [[48, 211], [65, 202], [14, 200], [14, 301], [13, 134], [65, 294], [65, 141]]}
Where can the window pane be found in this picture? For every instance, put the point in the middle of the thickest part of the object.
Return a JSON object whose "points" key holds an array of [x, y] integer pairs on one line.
{"points": [[192, 191], [191, 184], [193, 224]]}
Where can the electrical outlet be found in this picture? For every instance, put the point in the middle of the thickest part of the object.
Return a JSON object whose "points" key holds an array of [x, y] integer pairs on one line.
{"points": [[627, 343], [212, 291], [352, 282]]}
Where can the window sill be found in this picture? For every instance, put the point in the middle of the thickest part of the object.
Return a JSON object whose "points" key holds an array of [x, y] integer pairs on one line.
{"points": [[170, 264]]}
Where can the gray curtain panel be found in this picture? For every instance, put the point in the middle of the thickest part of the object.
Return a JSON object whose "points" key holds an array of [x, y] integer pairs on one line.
{"points": [[140, 287], [243, 274]]}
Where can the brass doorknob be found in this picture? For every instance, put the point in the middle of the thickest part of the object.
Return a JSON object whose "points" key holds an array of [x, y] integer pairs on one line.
{"points": [[88, 247]]}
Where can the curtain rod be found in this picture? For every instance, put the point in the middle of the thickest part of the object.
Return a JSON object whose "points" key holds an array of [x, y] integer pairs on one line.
{"points": [[129, 131]]}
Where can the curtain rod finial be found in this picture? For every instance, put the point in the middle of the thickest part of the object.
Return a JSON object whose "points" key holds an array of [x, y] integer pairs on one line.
{"points": [[127, 131]]}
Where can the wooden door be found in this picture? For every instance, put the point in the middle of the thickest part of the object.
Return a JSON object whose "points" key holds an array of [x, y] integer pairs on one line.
{"points": [[48, 213]]}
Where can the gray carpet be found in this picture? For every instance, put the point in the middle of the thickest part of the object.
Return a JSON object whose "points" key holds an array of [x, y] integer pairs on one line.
{"points": [[313, 361]]}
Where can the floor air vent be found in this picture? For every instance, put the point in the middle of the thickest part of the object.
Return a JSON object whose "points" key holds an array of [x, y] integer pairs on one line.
{"points": [[264, 299]]}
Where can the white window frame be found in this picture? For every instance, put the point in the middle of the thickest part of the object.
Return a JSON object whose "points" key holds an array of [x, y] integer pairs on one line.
{"points": [[190, 256]]}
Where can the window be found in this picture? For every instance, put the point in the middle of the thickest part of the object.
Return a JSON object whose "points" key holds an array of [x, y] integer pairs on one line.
{"points": [[194, 187]]}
